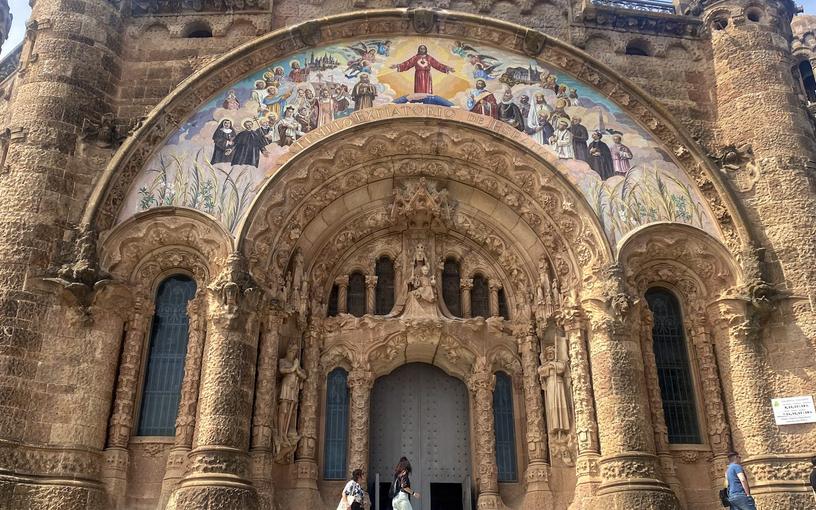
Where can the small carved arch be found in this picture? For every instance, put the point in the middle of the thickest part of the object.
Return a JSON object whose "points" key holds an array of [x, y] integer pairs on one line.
{"points": [[652, 253], [502, 359], [198, 29], [639, 47], [597, 44], [241, 27], [340, 355], [185, 232], [717, 19]]}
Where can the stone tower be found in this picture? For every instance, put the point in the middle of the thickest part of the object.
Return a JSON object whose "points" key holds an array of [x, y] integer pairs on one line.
{"points": [[771, 167], [64, 87]]}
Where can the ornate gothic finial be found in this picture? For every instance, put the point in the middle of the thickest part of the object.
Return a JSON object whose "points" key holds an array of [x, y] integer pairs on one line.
{"points": [[421, 204]]}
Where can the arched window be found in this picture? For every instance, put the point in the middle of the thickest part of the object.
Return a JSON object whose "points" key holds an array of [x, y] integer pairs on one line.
{"points": [[337, 410], [673, 369], [451, 287], [808, 81], [356, 297], [332, 306], [504, 424], [384, 291], [503, 305], [165, 358], [479, 297]]}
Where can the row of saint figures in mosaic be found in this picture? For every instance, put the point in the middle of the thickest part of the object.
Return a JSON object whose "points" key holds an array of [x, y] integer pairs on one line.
{"points": [[217, 161]]}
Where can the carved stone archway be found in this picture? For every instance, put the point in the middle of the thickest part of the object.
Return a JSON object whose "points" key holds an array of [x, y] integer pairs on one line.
{"points": [[111, 190]]}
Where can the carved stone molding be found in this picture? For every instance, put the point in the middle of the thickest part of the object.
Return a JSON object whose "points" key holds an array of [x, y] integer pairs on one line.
{"points": [[392, 22]]}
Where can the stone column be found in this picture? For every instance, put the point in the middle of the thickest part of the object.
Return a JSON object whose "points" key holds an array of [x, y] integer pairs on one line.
{"points": [[342, 283], [218, 472], [120, 425], [719, 432], [494, 297], [263, 415], [481, 384], [371, 294], [360, 382], [466, 284], [306, 493], [583, 403], [748, 388], [661, 431], [188, 403], [630, 469], [537, 477]]}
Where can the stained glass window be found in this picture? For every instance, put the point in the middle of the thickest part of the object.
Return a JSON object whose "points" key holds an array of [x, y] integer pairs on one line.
{"points": [[337, 409], [504, 424], [673, 369], [165, 359]]}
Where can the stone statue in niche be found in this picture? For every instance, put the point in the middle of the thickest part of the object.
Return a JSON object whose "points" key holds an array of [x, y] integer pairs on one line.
{"points": [[548, 297], [422, 300], [552, 372], [291, 382], [297, 286]]}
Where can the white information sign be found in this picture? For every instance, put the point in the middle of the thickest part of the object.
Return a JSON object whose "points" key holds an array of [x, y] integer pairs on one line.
{"points": [[793, 410]]}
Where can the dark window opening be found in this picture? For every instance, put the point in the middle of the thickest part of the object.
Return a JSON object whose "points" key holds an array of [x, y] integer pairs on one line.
{"points": [[451, 287], [165, 359], [637, 48], [673, 368], [480, 297], [337, 411], [808, 80], [356, 297], [503, 305], [384, 291], [332, 307], [719, 23], [504, 423]]}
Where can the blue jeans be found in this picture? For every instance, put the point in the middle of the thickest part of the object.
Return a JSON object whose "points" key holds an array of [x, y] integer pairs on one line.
{"points": [[742, 502]]}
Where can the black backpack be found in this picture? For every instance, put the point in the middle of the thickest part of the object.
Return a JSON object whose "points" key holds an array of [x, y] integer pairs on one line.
{"points": [[724, 498], [393, 490]]}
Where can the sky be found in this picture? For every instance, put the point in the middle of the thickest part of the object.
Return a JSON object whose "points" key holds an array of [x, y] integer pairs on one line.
{"points": [[21, 10]]}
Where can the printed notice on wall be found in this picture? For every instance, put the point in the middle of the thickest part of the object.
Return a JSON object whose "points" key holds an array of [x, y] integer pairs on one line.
{"points": [[793, 410]]}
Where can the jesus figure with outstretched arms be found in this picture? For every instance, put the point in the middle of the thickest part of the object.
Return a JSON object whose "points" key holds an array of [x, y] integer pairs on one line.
{"points": [[422, 64]]}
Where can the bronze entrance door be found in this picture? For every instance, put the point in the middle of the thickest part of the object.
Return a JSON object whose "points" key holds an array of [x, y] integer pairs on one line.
{"points": [[422, 413]]}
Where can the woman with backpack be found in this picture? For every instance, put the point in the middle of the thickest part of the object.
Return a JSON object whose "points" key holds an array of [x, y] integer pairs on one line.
{"points": [[401, 491], [352, 498]]}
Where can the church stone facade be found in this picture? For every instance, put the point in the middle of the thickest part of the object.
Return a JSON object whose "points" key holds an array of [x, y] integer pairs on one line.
{"points": [[559, 253]]}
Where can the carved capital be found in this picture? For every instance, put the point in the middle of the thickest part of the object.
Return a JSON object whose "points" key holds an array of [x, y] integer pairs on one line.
{"points": [[466, 284], [342, 281], [360, 380], [233, 293], [371, 282]]}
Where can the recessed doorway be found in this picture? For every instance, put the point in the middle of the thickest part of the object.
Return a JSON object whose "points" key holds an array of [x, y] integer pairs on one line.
{"points": [[422, 413]]}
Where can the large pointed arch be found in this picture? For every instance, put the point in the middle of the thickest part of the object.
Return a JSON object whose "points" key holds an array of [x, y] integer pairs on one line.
{"points": [[111, 191]]}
